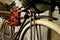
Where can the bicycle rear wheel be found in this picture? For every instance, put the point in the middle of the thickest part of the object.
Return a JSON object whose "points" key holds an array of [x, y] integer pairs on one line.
{"points": [[36, 35]]}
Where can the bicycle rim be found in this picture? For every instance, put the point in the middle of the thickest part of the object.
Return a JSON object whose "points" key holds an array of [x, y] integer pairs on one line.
{"points": [[47, 24]]}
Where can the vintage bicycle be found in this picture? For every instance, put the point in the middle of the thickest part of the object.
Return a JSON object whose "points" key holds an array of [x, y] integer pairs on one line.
{"points": [[34, 22]]}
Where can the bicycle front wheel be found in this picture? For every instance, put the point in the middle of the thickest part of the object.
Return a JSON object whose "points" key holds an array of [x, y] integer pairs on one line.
{"points": [[25, 34]]}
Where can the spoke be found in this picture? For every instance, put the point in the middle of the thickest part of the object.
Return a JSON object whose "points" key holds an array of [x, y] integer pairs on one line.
{"points": [[34, 32], [34, 24], [40, 32], [30, 25], [37, 33]]}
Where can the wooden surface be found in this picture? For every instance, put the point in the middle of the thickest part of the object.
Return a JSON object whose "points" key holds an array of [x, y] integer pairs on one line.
{"points": [[4, 13], [4, 7], [4, 10]]}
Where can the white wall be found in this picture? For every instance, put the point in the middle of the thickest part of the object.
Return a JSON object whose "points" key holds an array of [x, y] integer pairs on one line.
{"points": [[57, 15], [18, 3], [6, 1]]}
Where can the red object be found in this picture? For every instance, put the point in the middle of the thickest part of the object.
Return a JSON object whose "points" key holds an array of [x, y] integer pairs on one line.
{"points": [[13, 18]]}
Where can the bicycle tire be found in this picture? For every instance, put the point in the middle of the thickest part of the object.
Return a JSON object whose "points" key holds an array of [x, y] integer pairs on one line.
{"points": [[55, 27]]}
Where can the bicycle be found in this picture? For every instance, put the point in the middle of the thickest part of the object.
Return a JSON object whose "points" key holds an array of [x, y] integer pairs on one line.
{"points": [[25, 26], [28, 26]]}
